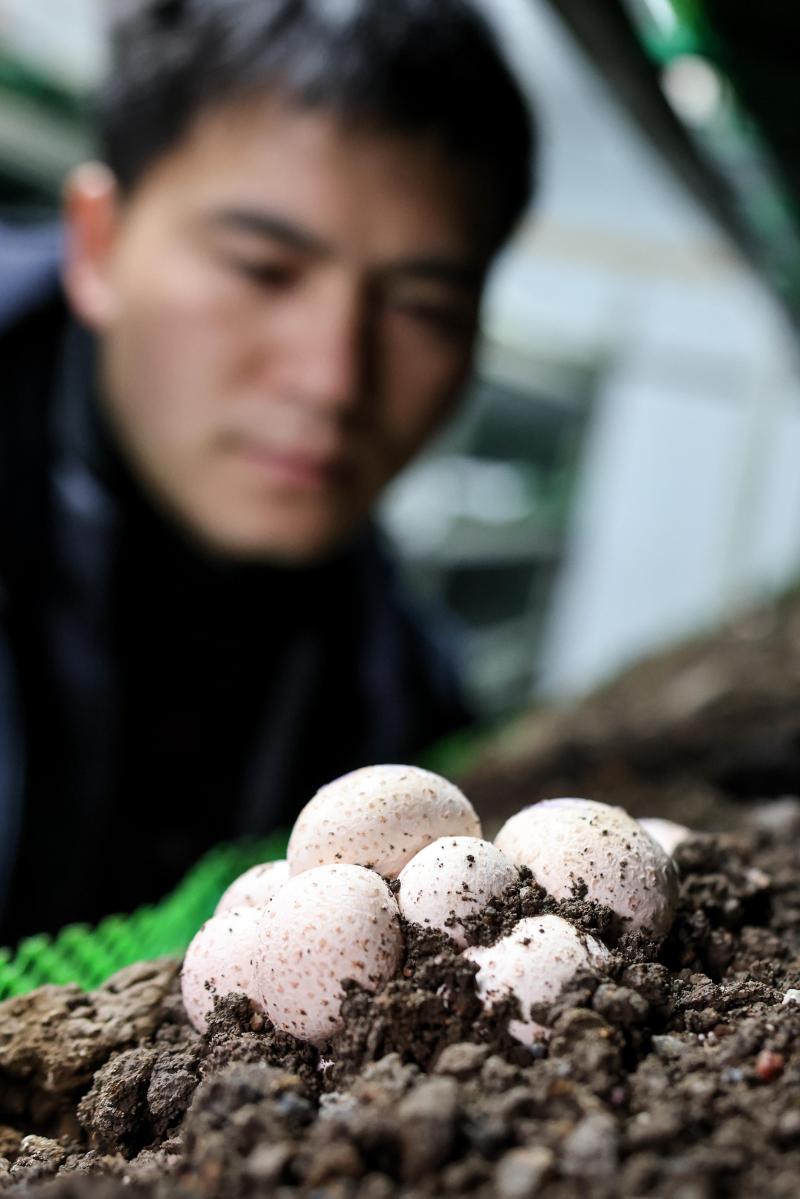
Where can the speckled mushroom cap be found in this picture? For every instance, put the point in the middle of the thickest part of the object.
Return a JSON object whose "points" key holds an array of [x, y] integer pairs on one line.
{"points": [[534, 963], [327, 924], [452, 878], [256, 887], [668, 833], [220, 960], [565, 841], [379, 817]]}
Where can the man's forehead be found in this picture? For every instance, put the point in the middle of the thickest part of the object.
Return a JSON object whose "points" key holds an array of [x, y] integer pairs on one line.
{"points": [[318, 187], [266, 161]]}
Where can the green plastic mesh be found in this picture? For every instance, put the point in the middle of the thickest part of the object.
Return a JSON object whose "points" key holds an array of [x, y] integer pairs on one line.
{"points": [[88, 956]]}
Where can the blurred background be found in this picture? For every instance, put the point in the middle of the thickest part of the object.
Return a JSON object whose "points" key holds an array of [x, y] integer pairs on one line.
{"points": [[625, 470]]}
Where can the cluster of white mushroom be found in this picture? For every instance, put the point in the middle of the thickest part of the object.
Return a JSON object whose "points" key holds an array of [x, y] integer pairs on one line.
{"points": [[287, 934]]}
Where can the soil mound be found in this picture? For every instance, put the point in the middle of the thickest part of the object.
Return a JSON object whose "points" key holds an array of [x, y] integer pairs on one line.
{"points": [[675, 1075]]}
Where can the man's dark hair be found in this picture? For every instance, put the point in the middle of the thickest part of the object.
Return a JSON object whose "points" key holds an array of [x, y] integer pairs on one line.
{"points": [[419, 67]]}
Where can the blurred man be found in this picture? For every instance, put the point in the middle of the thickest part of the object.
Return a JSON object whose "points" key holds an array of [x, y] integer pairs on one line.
{"points": [[268, 303]]}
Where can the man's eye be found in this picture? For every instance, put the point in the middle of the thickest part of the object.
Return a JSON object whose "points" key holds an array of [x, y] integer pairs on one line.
{"points": [[265, 274], [444, 318]]}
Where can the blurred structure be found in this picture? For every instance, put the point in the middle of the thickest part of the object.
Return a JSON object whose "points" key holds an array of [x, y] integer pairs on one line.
{"points": [[480, 522], [624, 472], [50, 54]]}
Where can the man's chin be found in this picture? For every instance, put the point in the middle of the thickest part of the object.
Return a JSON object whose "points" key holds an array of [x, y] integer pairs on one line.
{"points": [[280, 534], [296, 547]]}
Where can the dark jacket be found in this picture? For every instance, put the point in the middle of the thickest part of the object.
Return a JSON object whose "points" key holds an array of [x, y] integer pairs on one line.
{"points": [[138, 681]]}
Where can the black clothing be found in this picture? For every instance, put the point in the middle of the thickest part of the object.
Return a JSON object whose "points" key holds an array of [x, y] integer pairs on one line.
{"points": [[154, 701]]}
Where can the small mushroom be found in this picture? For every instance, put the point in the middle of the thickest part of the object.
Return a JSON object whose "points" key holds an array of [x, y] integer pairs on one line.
{"points": [[220, 960], [450, 879], [379, 817], [533, 964], [569, 843], [326, 925], [668, 834], [256, 887]]}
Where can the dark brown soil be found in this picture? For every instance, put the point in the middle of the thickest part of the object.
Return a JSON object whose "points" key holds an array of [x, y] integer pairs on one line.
{"points": [[674, 1076]]}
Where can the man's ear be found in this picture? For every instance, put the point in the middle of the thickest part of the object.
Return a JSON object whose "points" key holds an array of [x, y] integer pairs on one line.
{"points": [[91, 217]]}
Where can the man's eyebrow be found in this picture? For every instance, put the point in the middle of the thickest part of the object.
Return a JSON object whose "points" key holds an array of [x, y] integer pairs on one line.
{"points": [[272, 227], [456, 272]]}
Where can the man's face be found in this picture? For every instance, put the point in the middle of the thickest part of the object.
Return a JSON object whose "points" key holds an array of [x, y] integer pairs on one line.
{"points": [[289, 312]]}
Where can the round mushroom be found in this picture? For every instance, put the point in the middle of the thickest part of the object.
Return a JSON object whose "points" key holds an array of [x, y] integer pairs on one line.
{"points": [[379, 817], [256, 887], [326, 925], [220, 960], [668, 833], [450, 879], [572, 842], [533, 964]]}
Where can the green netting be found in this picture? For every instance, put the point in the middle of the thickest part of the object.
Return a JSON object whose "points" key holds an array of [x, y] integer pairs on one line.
{"points": [[87, 956]]}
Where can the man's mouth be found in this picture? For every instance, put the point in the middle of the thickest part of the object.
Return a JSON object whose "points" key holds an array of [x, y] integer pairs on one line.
{"points": [[295, 468]]}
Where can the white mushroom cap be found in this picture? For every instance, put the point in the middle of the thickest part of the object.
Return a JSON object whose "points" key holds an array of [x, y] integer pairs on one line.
{"points": [[534, 963], [256, 887], [566, 840], [379, 817], [220, 960], [325, 925], [454, 876], [668, 834]]}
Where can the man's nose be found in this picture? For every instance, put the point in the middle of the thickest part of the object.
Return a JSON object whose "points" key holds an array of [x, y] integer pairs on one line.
{"points": [[328, 365]]}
